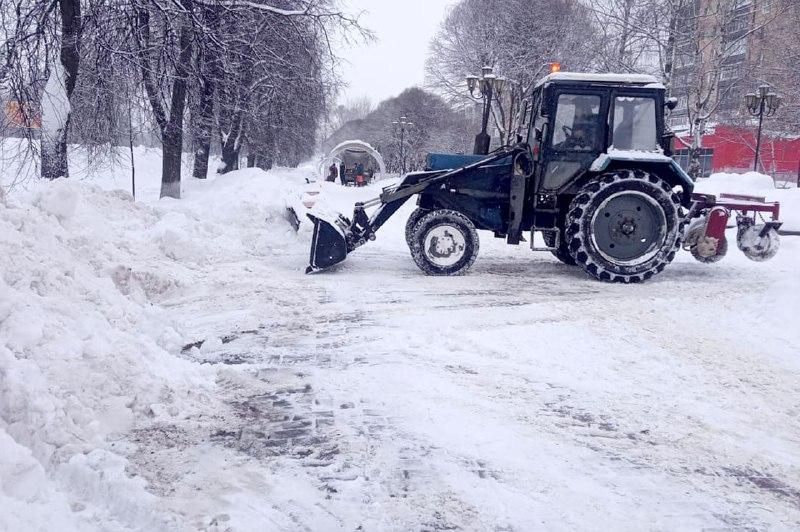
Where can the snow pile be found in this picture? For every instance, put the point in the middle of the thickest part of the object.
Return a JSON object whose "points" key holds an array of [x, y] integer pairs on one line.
{"points": [[85, 354], [756, 184], [750, 183]]}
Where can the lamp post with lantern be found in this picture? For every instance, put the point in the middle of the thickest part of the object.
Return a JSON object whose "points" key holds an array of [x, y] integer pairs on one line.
{"points": [[400, 127], [489, 86], [760, 104]]}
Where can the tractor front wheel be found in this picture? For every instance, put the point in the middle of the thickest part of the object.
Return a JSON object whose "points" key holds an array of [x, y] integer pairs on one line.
{"points": [[625, 226], [412, 222], [444, 242]]}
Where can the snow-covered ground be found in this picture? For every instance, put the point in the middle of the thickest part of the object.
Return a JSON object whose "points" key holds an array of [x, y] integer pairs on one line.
{"points": [[168, 366]]}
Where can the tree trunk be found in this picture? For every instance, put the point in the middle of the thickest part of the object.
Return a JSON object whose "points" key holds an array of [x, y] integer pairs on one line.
{"points": [[56, 110], [230, 155], [55, 164], [266, 163], [231, 141], [209, 59], [623, 40], [251, 160], [266, 156], [203, 131], [172, 135], [695, 165], [172, 151]]}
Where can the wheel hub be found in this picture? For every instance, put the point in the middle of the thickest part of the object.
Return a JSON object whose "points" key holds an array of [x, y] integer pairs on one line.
{"points": [[628, 228], [445, 245]]}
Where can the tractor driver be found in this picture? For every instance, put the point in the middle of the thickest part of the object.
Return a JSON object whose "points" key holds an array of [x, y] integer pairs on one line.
{"points": [[581, 135]]}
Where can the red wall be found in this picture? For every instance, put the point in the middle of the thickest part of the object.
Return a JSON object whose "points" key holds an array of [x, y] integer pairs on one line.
{"points": [[734, 150]]}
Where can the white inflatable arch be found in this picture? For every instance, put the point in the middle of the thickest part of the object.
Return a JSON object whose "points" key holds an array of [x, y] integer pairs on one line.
{"points": [[359, 145]]}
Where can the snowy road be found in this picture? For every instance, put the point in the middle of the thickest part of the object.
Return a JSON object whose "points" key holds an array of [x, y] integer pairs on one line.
{"points": [[522, 396]]}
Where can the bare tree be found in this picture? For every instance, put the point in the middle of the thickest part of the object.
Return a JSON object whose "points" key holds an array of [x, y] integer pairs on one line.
{"points": [[255, 73], [518, 38], [437, 128], [270, 72], [632, 34], [41, 48], [353, 109]]}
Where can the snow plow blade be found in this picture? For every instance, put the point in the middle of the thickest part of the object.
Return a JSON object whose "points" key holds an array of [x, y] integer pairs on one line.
{"points": [[329, 243]]}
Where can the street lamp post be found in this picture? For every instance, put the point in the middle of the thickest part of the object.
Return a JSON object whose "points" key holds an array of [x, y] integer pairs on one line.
{"points": [[400, 127], [760, 104], [489, 86]]}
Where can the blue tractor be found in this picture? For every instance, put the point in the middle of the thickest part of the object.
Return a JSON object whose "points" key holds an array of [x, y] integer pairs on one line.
{"points": [[590, 170]]}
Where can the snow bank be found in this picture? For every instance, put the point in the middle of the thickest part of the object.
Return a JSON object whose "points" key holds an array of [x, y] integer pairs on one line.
{"points": [[756, 184], [86, 352], [749, 183]]}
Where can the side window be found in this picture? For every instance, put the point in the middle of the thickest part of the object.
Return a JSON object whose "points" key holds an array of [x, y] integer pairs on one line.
{"points": [[576, 126], [635, 124]]}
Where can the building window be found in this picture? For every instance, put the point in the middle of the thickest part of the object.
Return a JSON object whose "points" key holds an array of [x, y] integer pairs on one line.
{"points": [[681, 156], [736, 48], [730, 73]]}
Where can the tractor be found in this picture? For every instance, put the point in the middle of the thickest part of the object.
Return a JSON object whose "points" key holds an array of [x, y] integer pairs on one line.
{"points": [[590, 170]]}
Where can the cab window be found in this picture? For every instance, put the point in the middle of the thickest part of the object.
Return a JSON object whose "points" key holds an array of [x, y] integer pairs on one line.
{"points": [[576, 125], [635, 124]]}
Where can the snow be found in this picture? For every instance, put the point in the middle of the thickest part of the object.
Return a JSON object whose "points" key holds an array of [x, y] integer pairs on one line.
{"points": [[166, 365], [87, 351], [601, 163], [749, 183], [635, 79], [55, 104]]}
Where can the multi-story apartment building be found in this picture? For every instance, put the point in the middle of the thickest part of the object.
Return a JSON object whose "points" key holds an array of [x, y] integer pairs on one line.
{"points": [[718, 47], [722, 50]]}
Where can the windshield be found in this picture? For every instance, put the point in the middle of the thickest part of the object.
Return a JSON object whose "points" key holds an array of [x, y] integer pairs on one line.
{"points": [[576, 123], [635, 124]]}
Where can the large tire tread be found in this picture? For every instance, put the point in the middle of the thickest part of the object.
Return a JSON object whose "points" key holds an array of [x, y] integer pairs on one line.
{"points": [[430, 221], [577, 233], [562, 253], [411, 223]]}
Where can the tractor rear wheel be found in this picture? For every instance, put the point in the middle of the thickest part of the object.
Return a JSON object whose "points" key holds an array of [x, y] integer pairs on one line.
{"points": [[625, 226], [444, 242], [412, 222], [562, 252]]}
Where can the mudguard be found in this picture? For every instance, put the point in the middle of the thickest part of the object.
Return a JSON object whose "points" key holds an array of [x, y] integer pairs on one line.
{"points": [[666, 167]]}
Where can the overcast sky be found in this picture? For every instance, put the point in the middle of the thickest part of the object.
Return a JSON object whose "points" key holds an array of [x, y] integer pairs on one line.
{"points": [[396, 60]]}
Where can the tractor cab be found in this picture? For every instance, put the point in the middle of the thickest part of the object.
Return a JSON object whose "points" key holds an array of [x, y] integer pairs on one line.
{"points": [[577, 118], [581, 125]]}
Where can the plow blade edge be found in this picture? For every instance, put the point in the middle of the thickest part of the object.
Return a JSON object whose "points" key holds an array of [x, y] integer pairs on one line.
{"points": [[329, 242]]}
